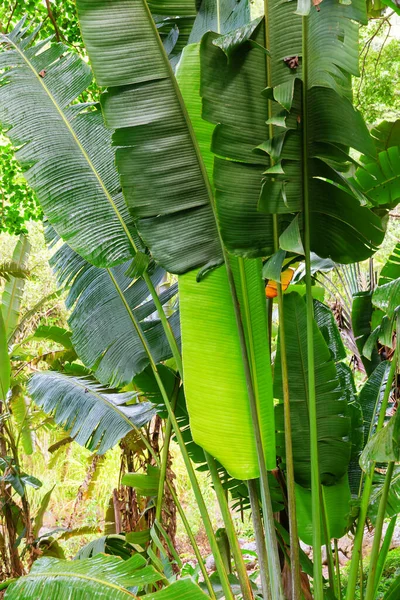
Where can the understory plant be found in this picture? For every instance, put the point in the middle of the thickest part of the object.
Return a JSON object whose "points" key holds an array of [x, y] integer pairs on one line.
{"points": [[224, 152]]}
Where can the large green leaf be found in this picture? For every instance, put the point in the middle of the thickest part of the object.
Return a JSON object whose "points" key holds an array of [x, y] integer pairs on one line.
{"points": [[64, 147], [379, 180], [215, 385], [219, 16], [234, 74], [163, 178], [102, 302], [97, 417], [5, 366], [383, 446], [387, 297], [14, 287], [101, 577], [391, 269], [386, 135], [337, 504], [332, 421]]}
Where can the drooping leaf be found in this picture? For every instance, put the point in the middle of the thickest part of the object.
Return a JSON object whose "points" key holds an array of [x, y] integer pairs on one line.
{"points": [[98, 418], [100, 577], [103, 332], [169, 196], [54, 333], [14, 287], [64, 148], [332, 422], [213, 372]]}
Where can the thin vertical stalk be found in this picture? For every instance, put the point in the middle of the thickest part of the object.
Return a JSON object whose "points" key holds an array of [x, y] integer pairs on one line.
{"points": [[327, 536], [384, 551], [269, 527], [165, 454], [366, 493], [338, 590], [290, 482], [312, 404], [189, 467], [164, 322], [370, 593], [243, 577], [259, 535]]}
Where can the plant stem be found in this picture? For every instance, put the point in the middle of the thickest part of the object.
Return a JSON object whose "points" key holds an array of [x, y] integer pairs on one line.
{"points": [[312, 404], [269, 527], [243, 577], [165, 324], [260, 543], [337, 565], [384, 551], [189, 467], [290, 482], [366, 493], [165, 455], [370, 593], [327, 535]]}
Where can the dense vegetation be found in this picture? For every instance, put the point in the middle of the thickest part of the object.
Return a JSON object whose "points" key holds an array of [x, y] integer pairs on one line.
{"points": [[217, 184]]}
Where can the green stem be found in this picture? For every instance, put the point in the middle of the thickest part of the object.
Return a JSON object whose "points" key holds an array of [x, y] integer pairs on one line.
{"points": [[290, 482], [384, 551], [269, 527], [260, 543], [189, 467], [327, 536], [312, 404], [165, 324], [366, 493], [338, 590], [243, 577], [165, 455], [370, 593]]}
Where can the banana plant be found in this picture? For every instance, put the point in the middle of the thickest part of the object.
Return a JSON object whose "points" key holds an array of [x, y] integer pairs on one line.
{"points": [[98, 577]]}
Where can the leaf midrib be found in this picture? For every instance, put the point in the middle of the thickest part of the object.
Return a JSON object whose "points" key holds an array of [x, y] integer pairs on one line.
{"points": [[67, 574], [76, 140]]}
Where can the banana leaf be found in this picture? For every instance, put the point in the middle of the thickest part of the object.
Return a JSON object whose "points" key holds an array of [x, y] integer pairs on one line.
{"points": [[97, 417], [63, 147], [14, 288], [332, 421]]}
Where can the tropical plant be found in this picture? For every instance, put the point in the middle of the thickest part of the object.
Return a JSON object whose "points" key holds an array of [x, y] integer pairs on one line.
{"points": [[244, 155]]}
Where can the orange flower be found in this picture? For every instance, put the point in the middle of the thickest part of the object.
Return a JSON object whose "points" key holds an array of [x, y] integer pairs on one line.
{"points": [[286, 278]]}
